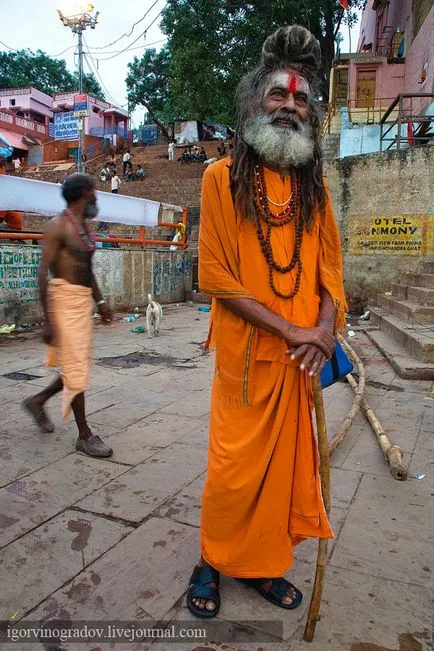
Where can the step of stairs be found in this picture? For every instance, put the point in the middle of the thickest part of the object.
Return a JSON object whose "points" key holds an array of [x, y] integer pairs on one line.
{"points": [[420, 280], [406, 366], [411, 312], [428, 266], [421, 295], [416, 340]]}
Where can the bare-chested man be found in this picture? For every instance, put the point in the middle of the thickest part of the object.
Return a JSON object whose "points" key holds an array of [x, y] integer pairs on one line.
{"points": [[67, 300]]}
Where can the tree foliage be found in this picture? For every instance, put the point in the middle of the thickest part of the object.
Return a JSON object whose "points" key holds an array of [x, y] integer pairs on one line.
{"points": [[148, 85], [212, 43], [23, 68]]}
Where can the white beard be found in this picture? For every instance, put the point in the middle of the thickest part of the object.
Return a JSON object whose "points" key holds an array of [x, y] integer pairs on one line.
{"points": [[279, 146]]}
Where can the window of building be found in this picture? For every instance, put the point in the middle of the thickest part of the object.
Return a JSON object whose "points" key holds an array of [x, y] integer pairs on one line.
{"points": [[11, 102], [95, 109]]}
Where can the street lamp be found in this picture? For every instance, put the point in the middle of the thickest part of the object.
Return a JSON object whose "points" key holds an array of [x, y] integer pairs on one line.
{"points": [[78, 17]]}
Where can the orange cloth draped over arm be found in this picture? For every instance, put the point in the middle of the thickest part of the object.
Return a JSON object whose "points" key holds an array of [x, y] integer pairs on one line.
{"points": [[219, 276], [330, 262]]}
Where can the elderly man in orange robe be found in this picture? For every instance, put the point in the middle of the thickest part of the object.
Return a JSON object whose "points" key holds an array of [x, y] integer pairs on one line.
{"points": [[270, 258]]}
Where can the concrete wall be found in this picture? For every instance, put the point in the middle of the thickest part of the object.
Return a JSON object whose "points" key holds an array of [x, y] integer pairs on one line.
{"points": [[385, 185], [126, 277]]}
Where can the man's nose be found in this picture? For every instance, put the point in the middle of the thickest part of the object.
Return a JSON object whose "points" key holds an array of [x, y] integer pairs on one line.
{"points": [[289, 103]]}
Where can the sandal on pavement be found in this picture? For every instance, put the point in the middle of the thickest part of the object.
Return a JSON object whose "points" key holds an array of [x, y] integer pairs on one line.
{"points": [[40, 417], [199, 588], [278, 590], [94, 446]]}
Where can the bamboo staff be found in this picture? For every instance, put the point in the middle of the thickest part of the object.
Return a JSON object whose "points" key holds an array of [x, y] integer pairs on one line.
{"points": [[321, 562], [359, 391], [392, 453]]}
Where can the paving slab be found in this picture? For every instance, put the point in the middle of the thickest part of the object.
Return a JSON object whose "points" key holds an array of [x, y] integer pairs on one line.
{"points": [[27, 502], [127, 583], [46, 558], [221, 635], [366, 613], [21, 456], [156, 417], [344, 485], [197, 402], [185, 505], [243, 603], [388, 516], [157, 430], [142, 489]]}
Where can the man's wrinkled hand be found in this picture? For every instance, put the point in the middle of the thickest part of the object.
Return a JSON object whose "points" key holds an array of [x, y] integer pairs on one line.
{"points": [[311, 357], [105, 314], [317, 336]]}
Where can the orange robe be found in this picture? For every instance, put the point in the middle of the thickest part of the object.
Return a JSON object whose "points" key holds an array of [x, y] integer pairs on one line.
{"points": [[12, 218], [262, 494], [70, 310]]}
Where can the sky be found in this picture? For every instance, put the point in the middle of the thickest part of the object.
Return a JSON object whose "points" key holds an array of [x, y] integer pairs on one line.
{"points": [[35, 24]]}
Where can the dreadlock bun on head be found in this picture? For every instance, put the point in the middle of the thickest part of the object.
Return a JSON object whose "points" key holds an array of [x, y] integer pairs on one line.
{"points": [[292, 46]]}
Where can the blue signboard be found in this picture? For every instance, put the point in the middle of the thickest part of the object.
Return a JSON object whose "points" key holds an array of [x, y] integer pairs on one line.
{"points": [[65, 126], [149, 133]]}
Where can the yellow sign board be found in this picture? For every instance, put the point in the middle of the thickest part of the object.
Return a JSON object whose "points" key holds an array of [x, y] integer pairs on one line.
{"points": [[394, 235]]}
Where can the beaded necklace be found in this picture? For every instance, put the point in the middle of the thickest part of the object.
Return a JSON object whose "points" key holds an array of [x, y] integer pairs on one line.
{"points": [[292, 212], [82, 232]]}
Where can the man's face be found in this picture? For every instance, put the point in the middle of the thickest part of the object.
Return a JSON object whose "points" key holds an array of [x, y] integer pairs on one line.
{"points": [[90, 205], [287, 94], [280, 132]]}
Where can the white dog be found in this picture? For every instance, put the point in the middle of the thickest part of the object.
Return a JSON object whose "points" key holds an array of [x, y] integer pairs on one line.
{"points": [[154, 314]]}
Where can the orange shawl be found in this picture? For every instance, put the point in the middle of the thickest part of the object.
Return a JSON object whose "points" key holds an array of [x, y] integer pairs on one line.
{"points": [[231, 265]]}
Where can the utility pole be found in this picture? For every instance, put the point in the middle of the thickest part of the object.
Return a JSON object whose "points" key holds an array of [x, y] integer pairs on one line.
{"points": [[80, 121], [78, 22]]}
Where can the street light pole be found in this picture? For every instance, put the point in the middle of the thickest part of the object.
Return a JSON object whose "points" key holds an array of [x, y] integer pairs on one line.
{"points": [[80, 165], [81, 16]]}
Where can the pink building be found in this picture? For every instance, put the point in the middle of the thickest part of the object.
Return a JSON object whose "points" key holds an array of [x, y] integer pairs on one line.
{"points": [[105, 120], [395, 57], [399, 35], [30, 122], [25, 114]]}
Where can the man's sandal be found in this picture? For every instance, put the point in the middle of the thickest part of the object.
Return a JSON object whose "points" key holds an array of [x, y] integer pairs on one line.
{"points": [[40, 417], [199, 588], [277, 592]]}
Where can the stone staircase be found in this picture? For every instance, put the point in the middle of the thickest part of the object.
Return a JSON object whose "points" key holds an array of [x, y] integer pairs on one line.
{"points": [[404, 324]]}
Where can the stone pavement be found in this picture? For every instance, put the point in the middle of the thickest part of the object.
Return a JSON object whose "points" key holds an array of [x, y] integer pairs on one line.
{"points": [[115, 540]]}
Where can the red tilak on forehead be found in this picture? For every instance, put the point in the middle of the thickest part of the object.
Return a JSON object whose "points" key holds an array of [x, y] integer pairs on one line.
{"points": [[292, 86]]}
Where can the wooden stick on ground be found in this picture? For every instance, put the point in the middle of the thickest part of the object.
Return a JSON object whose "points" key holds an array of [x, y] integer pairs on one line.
{"points": [[392, 453], [360, 392], [321, 562]]}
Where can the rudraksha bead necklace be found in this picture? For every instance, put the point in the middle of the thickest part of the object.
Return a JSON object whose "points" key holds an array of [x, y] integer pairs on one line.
{"points": [[291, 213]]}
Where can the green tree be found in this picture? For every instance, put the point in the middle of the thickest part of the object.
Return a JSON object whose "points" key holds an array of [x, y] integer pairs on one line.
{"points": [[26, 68], [212, 43], [148, 86]]}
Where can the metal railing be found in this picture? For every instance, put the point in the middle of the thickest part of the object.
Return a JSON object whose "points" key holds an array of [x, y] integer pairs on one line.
{"points": [[372, 114], [140, 241], [417, 125], [327, 123]]}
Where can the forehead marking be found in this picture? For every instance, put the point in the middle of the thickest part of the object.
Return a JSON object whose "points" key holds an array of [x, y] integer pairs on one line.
{"points": [[292, 86]]}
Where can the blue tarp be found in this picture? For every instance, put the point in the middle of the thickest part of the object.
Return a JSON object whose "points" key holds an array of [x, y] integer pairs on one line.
{"points": [[6, 149]]}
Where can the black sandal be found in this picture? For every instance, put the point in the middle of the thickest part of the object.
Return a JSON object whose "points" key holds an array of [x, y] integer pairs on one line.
{"points": [[40, 419], [278, 590], [199, 589]]}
